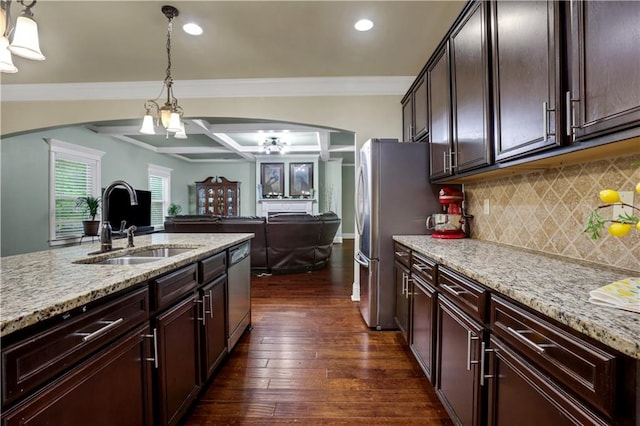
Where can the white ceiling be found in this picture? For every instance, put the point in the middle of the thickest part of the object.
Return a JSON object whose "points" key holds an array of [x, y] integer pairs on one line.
{"points": [[124, 42]]}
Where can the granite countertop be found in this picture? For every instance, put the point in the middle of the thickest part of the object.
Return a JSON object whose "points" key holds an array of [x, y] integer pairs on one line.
{"points": [[552, 286], [39, 285]]}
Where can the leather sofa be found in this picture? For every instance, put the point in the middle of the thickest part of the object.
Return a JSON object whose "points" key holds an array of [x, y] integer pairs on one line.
{"points": [[283, 243]]}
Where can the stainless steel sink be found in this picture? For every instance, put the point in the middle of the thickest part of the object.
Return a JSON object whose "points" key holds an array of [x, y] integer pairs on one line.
{"points": [[128, 260], [160, 252]]}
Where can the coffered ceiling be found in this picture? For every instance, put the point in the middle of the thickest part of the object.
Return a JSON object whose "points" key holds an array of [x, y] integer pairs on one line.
{"points": [[122, 42]]}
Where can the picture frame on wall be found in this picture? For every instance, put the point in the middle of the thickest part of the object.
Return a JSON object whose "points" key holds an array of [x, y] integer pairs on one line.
{"points": [[300, 179], [272, 179]]}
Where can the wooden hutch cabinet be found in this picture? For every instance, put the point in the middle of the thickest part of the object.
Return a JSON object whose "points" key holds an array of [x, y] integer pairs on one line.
{"points": [[218, 196]]}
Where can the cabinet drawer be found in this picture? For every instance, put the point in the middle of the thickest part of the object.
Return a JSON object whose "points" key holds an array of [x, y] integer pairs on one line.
{"points": [[402, 254], [585, 369], [424, 267], [36, 359], [171, 287], [211, 267], [468, 295]]}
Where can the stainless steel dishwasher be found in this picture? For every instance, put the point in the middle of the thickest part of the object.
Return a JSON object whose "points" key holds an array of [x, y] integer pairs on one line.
{"points": [[239, 292]]}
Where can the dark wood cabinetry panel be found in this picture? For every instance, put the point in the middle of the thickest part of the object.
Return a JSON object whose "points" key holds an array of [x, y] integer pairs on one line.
{"points": [[605, 69], [218, 196], [214, 340], [470, 296], [423, 321], [178, 370], [173, 286], [439, 105], [111, 388], [521, 395], [459, 340], [407, 118], [402, 280], [528, 104], [420, 111], [472, 142]]}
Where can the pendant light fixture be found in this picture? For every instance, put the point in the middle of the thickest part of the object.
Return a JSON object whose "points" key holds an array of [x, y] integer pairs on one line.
{"points": [[25, 41], [170, 113]]}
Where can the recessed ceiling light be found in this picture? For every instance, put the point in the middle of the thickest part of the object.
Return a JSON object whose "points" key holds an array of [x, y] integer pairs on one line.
{"points": [[191, 28], [363, 25]]}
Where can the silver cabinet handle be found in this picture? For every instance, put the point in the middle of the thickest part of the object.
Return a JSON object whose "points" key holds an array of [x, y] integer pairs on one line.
{"points": [[420, 266], [452, 290], [100, 331], [470, 337], [518, 334], [211, 303], [404, 283], [153, 336], [571, 126], [444, 161], [206, 296], [545, 121], [453, 155], [482, 354], [204, 316]]}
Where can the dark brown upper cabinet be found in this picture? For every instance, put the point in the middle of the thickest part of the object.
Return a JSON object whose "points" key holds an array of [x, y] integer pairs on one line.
{"points": [[526, 77], [439, 89], [414, 112], [605, 68], [470, 91]]}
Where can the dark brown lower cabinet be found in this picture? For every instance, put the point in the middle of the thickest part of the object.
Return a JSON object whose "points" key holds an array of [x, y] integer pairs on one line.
{"points": [[423, 320], [214, 340], [113, 387], [401, 316], [458, 370], [178, 360], [521, 395]]}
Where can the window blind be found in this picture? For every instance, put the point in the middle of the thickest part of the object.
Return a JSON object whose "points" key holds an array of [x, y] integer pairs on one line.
{"points": [[158, 188], [73, 179]]}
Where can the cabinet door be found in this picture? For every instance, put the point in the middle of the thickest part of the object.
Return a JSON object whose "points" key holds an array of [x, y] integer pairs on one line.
{"points": [[214, 335], [439, 104], [402, 274], [521, 395], [178, 374], [423, 315], [526, 77], [458, 373], [407, 118], [470, 87], [605, 83], [111, 388], [420, 111]]}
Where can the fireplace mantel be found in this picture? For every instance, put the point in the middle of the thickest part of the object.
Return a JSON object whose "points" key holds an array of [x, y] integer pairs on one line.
{"points": [[286, 205]]}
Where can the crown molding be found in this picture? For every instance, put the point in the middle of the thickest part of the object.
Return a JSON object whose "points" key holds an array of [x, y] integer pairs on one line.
{"points": [[222, 88]]}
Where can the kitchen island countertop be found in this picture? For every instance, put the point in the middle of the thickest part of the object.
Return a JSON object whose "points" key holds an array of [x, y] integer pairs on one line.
{"points": [[40, 285], [552, 286]]}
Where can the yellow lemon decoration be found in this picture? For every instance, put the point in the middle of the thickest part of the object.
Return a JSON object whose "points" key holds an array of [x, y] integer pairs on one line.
{"points": [[609, 196], [638, 225], [619, 229], [638, 188]]}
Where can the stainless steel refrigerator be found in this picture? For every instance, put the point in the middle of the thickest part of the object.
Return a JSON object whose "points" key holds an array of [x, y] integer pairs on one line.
{"points": [[393, 197]]}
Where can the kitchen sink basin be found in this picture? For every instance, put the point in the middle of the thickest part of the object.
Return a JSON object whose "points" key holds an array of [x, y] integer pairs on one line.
{"points": [[128, 260], [160, 252]]}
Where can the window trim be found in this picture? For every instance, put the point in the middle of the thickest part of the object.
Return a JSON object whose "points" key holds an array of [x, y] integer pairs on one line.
{"points": [[164, 173], [64, 150]]}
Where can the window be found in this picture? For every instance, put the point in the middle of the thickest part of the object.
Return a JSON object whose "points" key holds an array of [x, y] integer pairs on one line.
{"points": [[160, 187], [74, 171]]}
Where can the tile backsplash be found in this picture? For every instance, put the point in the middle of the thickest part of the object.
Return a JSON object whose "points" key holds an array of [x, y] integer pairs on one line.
{"points": [[547, 210]]}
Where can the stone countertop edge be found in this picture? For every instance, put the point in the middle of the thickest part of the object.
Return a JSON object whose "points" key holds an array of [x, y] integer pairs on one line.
{"points": [[552, 286], [40, 285]]}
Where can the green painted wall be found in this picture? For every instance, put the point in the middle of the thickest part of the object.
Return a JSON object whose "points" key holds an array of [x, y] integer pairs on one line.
{"points": [[348, 200]]}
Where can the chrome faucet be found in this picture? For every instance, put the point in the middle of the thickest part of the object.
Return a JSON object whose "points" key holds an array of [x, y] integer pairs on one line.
{"points": [[105, 231]]}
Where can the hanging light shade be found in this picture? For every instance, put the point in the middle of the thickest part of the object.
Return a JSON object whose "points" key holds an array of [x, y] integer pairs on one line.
{"points": [[169, 115], [25, 41], [6, 62]]}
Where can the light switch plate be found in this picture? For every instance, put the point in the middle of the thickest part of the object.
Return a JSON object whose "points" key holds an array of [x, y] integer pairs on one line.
{"points": [[625, 197], [485, 206]]}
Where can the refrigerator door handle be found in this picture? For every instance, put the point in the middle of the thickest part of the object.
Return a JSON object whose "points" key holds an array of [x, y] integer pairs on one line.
{"points": [[359, 201], [361, 260]]}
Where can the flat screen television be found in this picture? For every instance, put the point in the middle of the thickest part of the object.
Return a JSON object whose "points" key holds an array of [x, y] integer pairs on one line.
{"points": [[120, 209]]}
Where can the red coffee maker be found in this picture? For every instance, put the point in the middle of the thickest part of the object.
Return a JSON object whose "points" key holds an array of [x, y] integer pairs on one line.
{"points": [[451, 223]]}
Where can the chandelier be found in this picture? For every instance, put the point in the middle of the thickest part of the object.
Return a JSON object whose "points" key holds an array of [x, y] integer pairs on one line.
{"points": [[170, 113], [25, 41], [273, 145]]}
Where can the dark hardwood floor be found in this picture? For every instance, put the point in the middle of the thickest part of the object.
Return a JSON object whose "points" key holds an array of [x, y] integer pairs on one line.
{"points": [[311, 360]]}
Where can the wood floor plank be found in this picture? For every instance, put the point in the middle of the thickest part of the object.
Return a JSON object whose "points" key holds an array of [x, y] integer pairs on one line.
{"points": [[310, 359]]}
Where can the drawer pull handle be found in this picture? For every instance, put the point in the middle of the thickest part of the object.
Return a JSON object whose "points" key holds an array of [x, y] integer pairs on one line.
{"points": [[420, 267], [98, 332], [452, 289], [518, 334], [483, 376], [470, 337], [153, 336], [402, 254], [203, 318]]}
